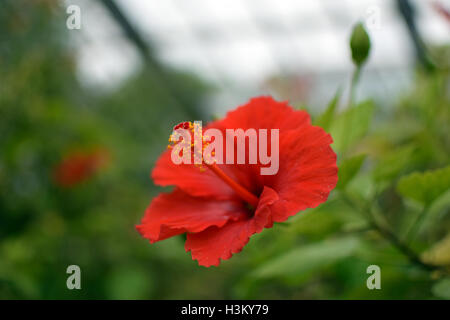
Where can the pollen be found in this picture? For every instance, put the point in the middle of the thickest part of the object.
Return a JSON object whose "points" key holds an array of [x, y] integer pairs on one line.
{"points": [[195, 131]]}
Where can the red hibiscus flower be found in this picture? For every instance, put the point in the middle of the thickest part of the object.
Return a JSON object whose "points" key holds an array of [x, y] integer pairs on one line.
{"points": [[221, 207], [78, 166]]}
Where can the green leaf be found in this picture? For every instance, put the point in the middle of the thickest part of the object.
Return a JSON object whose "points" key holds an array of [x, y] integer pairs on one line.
{"points": [[316, 223], [360, 44], [393, 163], [326, 118], [308, 258], [425, 187], [351, 125], [128, 282], [439, 253], [348, 169], [442, 289]]}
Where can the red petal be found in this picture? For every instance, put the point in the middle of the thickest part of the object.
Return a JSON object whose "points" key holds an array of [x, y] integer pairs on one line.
{"points": [[215, 243], [259, 113], [174, 213], [264, 113], [307, 172], [190, 179]]}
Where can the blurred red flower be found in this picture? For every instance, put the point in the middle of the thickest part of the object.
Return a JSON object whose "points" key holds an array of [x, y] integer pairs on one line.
{"points": [[443, 11], [208, 204], [79, 166]]}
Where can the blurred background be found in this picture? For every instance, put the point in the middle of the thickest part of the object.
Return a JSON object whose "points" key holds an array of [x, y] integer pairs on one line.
{"points": [[85, 112]]}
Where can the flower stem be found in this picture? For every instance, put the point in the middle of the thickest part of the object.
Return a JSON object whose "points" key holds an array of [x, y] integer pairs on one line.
{"points": [[355, 79], [389, 235]]}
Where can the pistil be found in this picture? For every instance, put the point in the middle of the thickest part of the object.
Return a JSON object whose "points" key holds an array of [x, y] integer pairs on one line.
{"points": [[246, 195]]}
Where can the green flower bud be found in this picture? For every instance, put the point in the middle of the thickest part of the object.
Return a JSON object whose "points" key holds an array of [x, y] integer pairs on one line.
{"points": [[360, 44]]}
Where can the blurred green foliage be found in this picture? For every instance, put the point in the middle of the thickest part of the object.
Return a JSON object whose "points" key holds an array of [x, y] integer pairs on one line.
{"points": [[394, 185]]}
